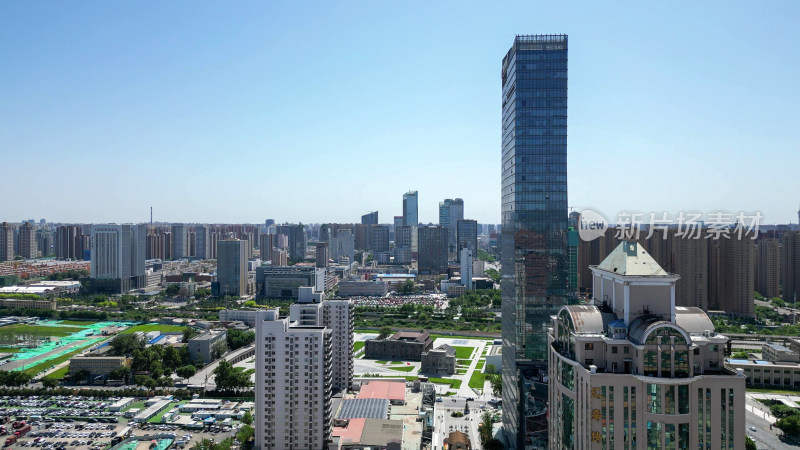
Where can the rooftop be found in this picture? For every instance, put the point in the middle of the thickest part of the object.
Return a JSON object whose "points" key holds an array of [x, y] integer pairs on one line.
{"points": [[630, 259], [364, 408], [390, 390]]}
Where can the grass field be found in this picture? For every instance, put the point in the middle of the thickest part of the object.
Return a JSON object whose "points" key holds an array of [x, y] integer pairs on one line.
{"points": [[157, 417], [59, 374], [480, 365], [358, 346], [20, 329], [464, 362], [403, 368], [461, 371], [10, 350], [447, 336], [155, 327], [80, 323], [463, 352], [34, 370], [773, 391], [455, 384], [476, 380]]}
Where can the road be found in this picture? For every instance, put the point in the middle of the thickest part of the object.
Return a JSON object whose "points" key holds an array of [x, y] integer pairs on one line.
{"points": [[205, 376], [763, 436]]}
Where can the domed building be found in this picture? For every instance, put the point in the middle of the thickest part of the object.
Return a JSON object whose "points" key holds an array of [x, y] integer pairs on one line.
{"points": [[631, 370]]}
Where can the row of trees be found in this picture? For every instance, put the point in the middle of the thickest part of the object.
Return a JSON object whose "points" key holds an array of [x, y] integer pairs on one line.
{"points": [[238, 338], [14, 378]]}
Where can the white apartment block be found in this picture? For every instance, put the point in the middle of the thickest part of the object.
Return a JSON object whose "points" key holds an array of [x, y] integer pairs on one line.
{"points": [[633, 371], [339, 316], [293, 381]]}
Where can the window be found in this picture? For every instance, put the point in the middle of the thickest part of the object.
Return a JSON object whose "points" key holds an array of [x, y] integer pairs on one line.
{"points": [[588, 346], [626, 350], [589, 362], [613, 349]]}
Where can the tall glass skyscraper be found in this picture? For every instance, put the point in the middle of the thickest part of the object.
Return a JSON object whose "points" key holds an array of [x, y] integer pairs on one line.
{"points": [[534, 235], [411, 209]]}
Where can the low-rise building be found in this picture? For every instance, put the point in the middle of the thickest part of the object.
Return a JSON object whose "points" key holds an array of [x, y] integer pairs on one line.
{"points": [[778, 353], [440, 361], [401, 346], [363, 434], [208, 346], [247, 316], [394, 391], [457, 440], [30, 304], [363, 289], [97, 365]]}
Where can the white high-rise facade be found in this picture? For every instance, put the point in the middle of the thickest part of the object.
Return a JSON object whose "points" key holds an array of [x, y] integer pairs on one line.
{"points": [[118, 251], [300, 361]]}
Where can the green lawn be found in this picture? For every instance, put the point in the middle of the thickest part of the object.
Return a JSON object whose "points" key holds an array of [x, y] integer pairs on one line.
{"points": [[476, 380], [137, 405], [463, 352], [10, 350], [455, 384], [461, 371], [155, 327], [381, 361], [480, 365], [59, 374], [773, 391], [464, 362], [34, 370], [37, 330], [358, 346], [157, 417], [403, 368]]}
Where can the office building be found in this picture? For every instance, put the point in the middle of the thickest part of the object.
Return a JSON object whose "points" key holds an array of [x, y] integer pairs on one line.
{"points": [[69, 242], [98, 367], [407, 237], [768, 264], [373, 288], [432, 257], [343, 245], [411, 209], [265, 246], [465, 261], [363, 236], [247, 316], [285, 281], [297, 240], [322, 255], [790, 266], [380, 238], [534, 213], [636, 371], [370, 218], [117, 261], [398, 222], [450, 212], [232, 267], [439, 361], [6, 242], [27, 241], [467, 236], [180, 241]]}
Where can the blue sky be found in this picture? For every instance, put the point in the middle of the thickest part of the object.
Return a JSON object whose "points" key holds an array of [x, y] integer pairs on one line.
{"points": [[322, 111]]}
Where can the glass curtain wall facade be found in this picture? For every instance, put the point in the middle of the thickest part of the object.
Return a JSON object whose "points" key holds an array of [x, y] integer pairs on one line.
{"points": [[534, 209]]}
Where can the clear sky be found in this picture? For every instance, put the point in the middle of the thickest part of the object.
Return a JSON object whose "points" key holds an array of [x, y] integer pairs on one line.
{"points": [[322, 111]]}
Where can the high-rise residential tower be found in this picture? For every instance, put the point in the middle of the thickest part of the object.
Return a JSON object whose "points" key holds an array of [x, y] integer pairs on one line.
{"points": [[69, 242], [411, 208], [27, 241], [432, 257], [232, 267], [790, 265], [180, 241], [6, 242], [467, 237], [534, 214], [768, 263], [298, 239]]}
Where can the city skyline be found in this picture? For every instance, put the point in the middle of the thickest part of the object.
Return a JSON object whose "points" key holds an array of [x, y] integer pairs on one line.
{"points": [[147, 115]]}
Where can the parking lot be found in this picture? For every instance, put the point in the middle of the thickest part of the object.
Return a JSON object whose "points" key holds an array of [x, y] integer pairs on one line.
{"points": [[61, 423]]}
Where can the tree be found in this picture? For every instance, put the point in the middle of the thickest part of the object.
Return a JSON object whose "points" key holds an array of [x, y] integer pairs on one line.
{"points": [[237, 338], [49, 382], [741, 355], [79, 376], [778, 303], [218, 349], [126, 344], [189, 333], [483, 255], [749, 444], [491, 369], [186, 372], [245, 436], [228, 377], [172, 289], [493, 274], [497, 384], [171, 358], [790, 425], [247, 418], [123, 373], [385, 332], [485, 428]]}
